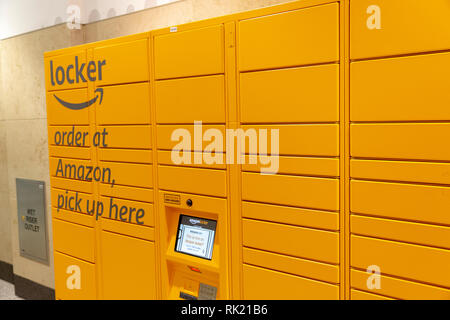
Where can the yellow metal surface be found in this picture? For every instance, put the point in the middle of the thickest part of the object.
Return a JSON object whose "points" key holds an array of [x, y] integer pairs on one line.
{"points": [[188, 137], [325, 142], [327, 220], [191, 99], [69, 152], [119, 210], [293, 287], [293, 265], [317, 193], [67, 168], [131, 174], [71, 136], [415, 141], [178, 54], [127, 137], [408, 261], [125, 155], [306, 166], [392, 27], [129, 229], [128, 62], [297, 32], [293, 241], [165, 158], [199, 181], [70, 198], [68, 184], [393, 89], [63, 286], [125, 253], [431, 235], [296, 92], [74, 217], [401, 289], [407, 171], [66, 232], [60, 116], [68, 63], [362, 295], [402, 201], [135, 96], [125, 192]]}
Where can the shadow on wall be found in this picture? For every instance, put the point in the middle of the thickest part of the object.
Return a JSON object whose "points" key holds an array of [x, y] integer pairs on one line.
{"points": [[94, 16], [58, 20], [130, 8], [111, 13]]}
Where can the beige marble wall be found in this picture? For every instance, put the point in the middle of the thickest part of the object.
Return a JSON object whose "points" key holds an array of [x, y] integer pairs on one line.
{"points": [[23, 134], [5, 217], [169, 15]]}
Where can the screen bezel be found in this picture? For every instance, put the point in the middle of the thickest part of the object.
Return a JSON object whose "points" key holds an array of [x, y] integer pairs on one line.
{"points": [[177, 238]]}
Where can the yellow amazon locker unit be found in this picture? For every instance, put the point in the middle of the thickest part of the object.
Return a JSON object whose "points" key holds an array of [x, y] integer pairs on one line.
{"points": [[291, 152], [155, 227]]}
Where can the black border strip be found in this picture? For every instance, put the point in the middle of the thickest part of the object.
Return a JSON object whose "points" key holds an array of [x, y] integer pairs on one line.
{"points": [[6, 272], [31, 290]]}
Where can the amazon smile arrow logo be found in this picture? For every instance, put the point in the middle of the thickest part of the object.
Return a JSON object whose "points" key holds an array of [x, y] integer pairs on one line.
{"points": [[82, 105]]}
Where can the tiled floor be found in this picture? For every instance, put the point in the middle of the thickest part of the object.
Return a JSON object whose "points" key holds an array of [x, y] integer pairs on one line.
{"points": [[7, 291]]}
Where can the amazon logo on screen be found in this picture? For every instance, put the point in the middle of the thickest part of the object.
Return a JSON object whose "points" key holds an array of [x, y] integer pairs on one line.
{"points": [[77, 73]]}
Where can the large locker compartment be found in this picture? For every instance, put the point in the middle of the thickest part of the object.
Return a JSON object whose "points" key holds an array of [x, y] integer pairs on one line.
{"points": [[399, 164]]}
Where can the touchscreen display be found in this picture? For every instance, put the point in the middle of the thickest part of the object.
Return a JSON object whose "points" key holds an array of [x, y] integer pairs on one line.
{"points": [[195, 236]]}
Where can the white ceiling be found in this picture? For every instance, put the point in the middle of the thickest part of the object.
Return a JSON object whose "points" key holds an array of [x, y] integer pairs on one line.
{"points": [[21, 16]]}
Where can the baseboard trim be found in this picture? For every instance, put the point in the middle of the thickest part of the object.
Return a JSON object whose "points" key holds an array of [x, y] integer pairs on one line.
{"points": [[31, 290], [6, 272]]}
